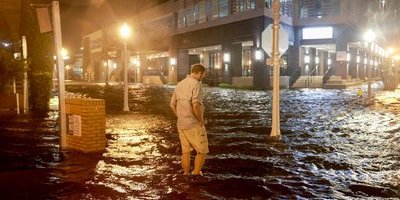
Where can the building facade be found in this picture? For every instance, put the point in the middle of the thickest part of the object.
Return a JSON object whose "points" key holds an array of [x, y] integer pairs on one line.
{"points": [[325, 43]]}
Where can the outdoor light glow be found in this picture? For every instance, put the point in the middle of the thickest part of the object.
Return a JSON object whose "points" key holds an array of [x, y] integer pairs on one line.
{"points": [[317, 33], [348, 57], [17, 55], [329, 61], [64, 54], [258, 55], [396, 57], [307, 59], [316, 60], [369, 36], [125, 31], [390, 50], [172, 61], [358, 59], [136, 62], [365, 61], [227, 57]]}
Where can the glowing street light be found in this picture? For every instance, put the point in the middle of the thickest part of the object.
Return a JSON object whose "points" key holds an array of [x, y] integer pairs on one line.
{"points": [[369, 36], [125, 32], [64, 54]]}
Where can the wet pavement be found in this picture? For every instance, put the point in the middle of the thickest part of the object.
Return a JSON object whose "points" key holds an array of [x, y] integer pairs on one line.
{"points": [[333, 146]]}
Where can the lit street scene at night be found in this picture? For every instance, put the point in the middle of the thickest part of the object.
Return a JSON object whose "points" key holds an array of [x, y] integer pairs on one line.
{"points": [[199, 99]]}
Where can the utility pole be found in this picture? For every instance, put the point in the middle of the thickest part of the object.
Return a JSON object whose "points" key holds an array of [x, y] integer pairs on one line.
{"points": [[275, 130], [126, 62], [370, 73], [396, 41], [60, 63], [25, 56]]}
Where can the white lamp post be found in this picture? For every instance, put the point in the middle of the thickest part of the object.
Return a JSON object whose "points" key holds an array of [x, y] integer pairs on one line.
{"points": [[125, 32], [369, 37]]}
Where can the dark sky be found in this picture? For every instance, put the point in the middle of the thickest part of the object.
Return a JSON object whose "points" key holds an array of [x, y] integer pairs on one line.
{"points": [[80, 17]]}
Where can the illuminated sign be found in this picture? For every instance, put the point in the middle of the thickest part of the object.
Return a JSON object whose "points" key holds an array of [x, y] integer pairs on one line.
{"points": [[317, 33]]}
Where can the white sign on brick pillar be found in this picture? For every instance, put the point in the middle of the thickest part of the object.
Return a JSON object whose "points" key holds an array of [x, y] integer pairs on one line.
{"points": [[74, 125]]}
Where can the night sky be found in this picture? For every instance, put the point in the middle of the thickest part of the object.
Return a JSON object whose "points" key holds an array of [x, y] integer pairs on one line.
{"points": [[81, 17]]}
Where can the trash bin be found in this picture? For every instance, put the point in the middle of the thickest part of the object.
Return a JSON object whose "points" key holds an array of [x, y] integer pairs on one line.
{"points": [[86, 124]]}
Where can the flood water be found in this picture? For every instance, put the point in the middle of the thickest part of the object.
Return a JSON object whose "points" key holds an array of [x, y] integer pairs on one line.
{"points": [[333, 146]]}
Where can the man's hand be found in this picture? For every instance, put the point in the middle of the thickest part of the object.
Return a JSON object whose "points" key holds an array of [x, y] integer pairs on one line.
{"points": [[198, 113]]}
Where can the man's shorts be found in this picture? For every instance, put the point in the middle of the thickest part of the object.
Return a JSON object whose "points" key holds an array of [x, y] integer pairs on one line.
{"points": [[195, 137]]}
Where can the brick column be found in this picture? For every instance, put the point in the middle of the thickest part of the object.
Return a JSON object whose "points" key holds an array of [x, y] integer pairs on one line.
{"points": [[88, 133]]}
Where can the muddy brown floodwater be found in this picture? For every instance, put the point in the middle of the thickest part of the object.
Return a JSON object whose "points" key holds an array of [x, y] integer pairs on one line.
{"points": [[333, 146]]}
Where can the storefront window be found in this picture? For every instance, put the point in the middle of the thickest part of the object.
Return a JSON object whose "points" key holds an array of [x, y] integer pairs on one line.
{"points": [[247, 65], [215, 61]]}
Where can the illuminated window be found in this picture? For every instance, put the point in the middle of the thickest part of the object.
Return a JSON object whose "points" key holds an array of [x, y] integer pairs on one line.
{"points": [[317, 33], [223, 8], [243, 5], [318, 8]]}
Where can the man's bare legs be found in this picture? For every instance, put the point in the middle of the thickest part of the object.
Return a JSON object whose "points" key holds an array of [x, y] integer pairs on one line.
{"points": [[186, 163], [198, 163]]}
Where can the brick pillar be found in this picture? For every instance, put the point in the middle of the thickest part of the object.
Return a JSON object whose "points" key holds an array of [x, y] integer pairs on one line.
{"points": [[261, 73], [183, 68], [353, 63], [341, 67], [85, 124], [236, 60]]}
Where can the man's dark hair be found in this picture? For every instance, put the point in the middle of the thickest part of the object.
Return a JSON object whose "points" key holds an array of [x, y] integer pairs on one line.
{"points": [[196, 68]]}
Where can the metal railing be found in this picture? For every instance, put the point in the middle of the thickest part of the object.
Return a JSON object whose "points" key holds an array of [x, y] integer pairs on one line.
{"points": [[310, 78], [327, 75], [293, 78]]}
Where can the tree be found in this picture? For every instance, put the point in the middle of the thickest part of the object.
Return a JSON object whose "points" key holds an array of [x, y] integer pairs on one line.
{"points": [[40, 53]]}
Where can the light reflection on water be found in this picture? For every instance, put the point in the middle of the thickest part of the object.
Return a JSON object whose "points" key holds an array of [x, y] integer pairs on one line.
{"points": [[333, 147]]}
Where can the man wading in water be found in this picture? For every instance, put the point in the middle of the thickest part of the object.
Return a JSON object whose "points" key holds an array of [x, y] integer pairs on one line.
{"points": [[187, 104]]}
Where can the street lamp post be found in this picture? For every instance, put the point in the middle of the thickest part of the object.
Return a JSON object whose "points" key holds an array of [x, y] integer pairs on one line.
{"points": [[275, 129], [396, 60], [369, 37], [125, 32]]}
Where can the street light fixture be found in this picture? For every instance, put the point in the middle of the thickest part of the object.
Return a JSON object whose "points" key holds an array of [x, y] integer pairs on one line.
{"points": [[64, 54], [369, 37], [125, 32]]}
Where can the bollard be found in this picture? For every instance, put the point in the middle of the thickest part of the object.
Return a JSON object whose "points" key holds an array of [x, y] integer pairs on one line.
{"points": [[85, 124]]}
